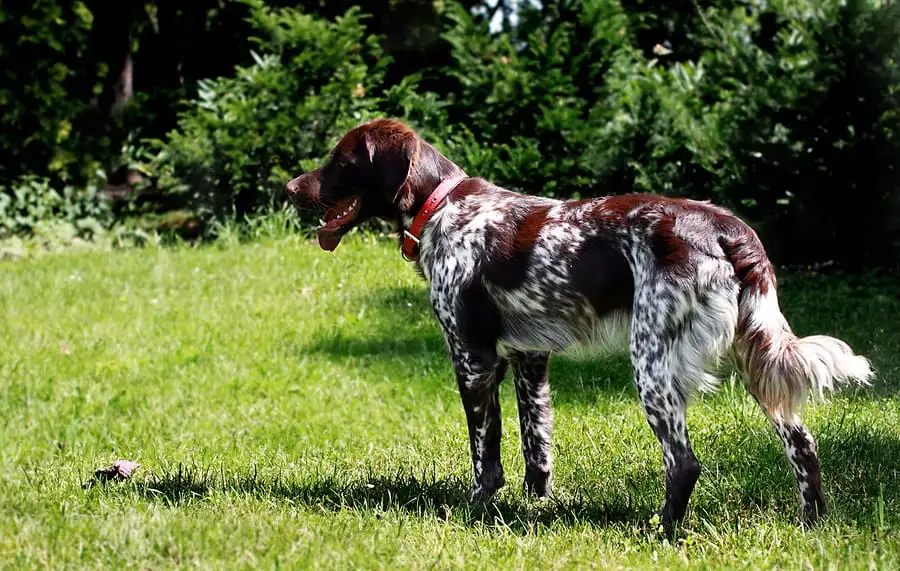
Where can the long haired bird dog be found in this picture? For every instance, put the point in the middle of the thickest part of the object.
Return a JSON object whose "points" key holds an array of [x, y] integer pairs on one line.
{"points": [[515, 277]]}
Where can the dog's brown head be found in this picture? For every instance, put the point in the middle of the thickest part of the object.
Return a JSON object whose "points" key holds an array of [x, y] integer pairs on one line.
{"points": [[380, 169]]}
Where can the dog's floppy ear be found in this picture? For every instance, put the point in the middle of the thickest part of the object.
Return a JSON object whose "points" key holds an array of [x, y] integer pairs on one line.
{"points": [[392, 155]]}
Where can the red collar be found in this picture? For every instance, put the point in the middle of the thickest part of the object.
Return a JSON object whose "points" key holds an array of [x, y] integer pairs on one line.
{"points": [[410, 249]]}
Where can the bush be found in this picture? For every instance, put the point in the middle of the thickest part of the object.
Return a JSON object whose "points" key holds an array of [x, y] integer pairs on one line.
{"points": [[797, 131], [526, 97], [41, 88], [245, 136], [786, 114], [32, 200], [761, 107]]}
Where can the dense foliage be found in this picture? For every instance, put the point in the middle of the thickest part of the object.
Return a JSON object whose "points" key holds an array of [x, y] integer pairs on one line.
{"points": [[784, 110], [244, 135]]}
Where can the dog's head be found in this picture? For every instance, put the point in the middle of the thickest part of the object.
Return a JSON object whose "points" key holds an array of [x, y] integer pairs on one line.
{"points": [[378, 170]]}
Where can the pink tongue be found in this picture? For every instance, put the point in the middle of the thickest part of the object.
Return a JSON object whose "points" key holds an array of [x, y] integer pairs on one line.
{"points": [[329, 238]]}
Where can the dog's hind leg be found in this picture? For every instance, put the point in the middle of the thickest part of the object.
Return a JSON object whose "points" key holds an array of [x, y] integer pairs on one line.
{"points": [[535, 418], [802, 452], [654, 358], [665, 409]]}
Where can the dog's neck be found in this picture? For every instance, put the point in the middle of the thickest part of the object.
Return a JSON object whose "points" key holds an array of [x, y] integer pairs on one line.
{"points": [[425, 174]]}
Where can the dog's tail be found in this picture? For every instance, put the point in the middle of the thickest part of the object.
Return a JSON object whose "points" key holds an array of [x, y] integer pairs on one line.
{"points": [[780, 368]]}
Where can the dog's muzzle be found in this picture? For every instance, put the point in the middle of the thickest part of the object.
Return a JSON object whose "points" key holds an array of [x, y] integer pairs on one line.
{"points": [[303, 191]]}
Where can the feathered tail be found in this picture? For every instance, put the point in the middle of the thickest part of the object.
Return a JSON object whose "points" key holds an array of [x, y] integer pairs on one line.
{"points": [[782, 369]]}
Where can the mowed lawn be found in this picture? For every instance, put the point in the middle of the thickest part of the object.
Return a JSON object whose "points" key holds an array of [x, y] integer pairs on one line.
{"points": [[294, 408]]}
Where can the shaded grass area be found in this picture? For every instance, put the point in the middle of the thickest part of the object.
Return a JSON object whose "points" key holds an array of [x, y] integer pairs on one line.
{"points": [[295, 408]]}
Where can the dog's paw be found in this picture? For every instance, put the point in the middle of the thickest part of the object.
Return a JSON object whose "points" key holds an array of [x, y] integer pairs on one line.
{"points": [[813, 513], [484, 490], [537, 483], [480, 495]]}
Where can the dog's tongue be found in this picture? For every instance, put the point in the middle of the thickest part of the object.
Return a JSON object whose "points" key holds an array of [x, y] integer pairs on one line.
{"points": [[337, 217], [329, 238]]}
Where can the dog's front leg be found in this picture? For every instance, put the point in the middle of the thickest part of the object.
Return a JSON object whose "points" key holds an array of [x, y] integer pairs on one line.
{"points": [[478, 375]]}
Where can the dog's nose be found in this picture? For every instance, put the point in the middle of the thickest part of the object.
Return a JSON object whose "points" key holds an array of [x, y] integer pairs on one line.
{"points": [[303, 191], [296, 192], [292, 187]]}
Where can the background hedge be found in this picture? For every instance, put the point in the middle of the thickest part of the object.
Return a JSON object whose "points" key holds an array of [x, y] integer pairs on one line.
{"points": [[784, 110]]}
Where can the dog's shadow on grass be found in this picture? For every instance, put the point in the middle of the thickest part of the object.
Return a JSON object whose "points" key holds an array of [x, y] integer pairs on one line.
{"points": [[858, 468], [422, 496]]}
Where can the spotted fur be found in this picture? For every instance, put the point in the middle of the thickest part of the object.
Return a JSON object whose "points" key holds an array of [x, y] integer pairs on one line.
{"points": [[513, 278]]}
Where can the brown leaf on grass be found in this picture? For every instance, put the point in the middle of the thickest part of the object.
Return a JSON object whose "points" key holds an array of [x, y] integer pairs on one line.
{"points": [[65, 349], [120, 470]]}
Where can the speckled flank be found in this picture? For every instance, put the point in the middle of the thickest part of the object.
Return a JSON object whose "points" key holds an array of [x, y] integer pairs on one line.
{"points": [[514, 278]]}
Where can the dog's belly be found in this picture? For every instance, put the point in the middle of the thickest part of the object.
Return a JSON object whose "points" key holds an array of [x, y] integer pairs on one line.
{"points": [[565, 319]]}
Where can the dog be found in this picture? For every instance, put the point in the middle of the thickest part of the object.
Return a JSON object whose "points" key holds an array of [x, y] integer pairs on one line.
{"points": [[514, 278]]}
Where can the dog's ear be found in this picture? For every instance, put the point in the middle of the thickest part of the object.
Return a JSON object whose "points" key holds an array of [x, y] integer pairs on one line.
{"points": [[392, 155]]}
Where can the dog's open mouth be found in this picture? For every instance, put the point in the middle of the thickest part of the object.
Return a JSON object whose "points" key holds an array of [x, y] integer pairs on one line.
{"points": [[335, 222]]}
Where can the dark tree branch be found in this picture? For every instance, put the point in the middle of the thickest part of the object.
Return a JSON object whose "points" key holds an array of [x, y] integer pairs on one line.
{"points": [[111, 36]]}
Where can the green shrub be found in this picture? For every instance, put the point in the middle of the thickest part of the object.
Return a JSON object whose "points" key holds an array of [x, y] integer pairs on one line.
{"points": [[784, 111], [246, 135], [42, 89], [797, 131], [525, 97], [32, 200]]}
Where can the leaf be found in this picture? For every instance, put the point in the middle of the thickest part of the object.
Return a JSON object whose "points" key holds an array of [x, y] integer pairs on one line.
{"points": [[119, 470]]}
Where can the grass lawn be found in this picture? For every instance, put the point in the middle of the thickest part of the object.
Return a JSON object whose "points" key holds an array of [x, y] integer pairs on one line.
{"points": [[294, 408]]}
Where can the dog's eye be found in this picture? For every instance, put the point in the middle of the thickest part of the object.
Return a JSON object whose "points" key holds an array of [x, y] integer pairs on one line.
{"points": [[337, 163]]}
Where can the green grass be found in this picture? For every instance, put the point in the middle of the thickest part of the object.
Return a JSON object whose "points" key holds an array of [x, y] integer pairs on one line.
{"points": [[293, 408]]}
